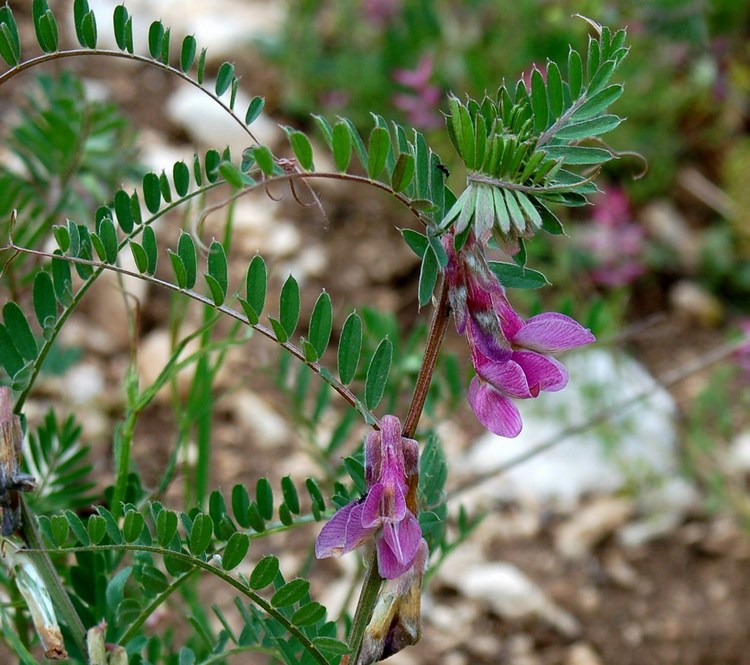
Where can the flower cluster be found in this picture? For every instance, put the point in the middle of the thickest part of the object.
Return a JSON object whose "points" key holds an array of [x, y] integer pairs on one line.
{"points": [[387, 511], [615, 244], [511, 356], [420, 103]]}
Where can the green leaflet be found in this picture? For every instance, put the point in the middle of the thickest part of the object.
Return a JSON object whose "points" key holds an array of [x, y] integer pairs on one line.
{"points": [[155, 39], [255, 288], [342, 145], [515, 277], [217, 277], [201, 533], [264, 498], [379, 149], [19, 330], [321, 324], [123, 27], [189, 256], [291, 497], [290, 593], [264, 573], [350, 348], [301, 147], [289, 305], [377, 373], [187, 53], [235, 551], [427, 276], [224, 78], [10, 45], [254, 109]]}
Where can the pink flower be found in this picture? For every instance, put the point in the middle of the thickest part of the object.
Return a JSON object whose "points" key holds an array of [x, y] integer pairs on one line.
{"points": [[511, 356], [391, 473], [381, 12], [614, 242], [421, 101]]}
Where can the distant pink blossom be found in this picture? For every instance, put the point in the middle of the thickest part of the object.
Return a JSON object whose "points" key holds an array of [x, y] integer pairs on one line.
{"points": [[381, 12], [526, 75], [614, 242], [421, 101]]}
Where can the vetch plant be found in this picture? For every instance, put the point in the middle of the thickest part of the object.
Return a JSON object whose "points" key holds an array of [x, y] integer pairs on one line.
{"points": [[107, 570]]}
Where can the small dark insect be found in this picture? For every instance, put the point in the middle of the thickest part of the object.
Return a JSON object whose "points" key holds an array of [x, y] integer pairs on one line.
{"points": [[441, 167]]}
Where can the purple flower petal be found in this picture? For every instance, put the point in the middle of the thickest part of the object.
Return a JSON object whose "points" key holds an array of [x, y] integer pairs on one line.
{"points": [[332, 539], [385, 501], [552, 332], [390, 428], [356, 532], [398, 546], [495, 411], [483, 334], [506, 377], [542, 372], [510, 322]]}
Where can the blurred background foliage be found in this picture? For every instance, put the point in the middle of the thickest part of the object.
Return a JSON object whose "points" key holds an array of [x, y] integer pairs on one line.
{"points": [[687, 84]]}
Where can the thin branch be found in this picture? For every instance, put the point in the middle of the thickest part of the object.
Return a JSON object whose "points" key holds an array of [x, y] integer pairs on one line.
{"points": [[291, 177], [432, 350]]}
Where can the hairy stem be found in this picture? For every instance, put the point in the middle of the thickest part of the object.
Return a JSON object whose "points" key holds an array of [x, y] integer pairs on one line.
{"points": [[365, 606]]}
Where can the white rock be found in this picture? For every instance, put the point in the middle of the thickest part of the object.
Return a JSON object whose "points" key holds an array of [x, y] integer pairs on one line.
{"points": [[154, 352], [337, 595], [257, 228], [639, 441], [454, 620], [697, 303], [83, 383], [210, 126], [311, 261], [668, 226], [513, 596], [738, 456], [107, 305], [588, 526], [664, 508], [582, 653], [158, 155], [224, 27], [250, 411]]}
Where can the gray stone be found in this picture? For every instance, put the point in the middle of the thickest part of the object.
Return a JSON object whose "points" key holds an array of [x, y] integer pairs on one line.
{"points": [[512, 595]]}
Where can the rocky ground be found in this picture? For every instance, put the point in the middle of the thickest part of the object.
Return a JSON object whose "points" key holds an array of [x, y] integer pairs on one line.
{"points": [[597, 551]]}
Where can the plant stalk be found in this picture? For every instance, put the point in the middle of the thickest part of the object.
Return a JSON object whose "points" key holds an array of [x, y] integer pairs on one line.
{"points": [[432, 350], [372, 583]]}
